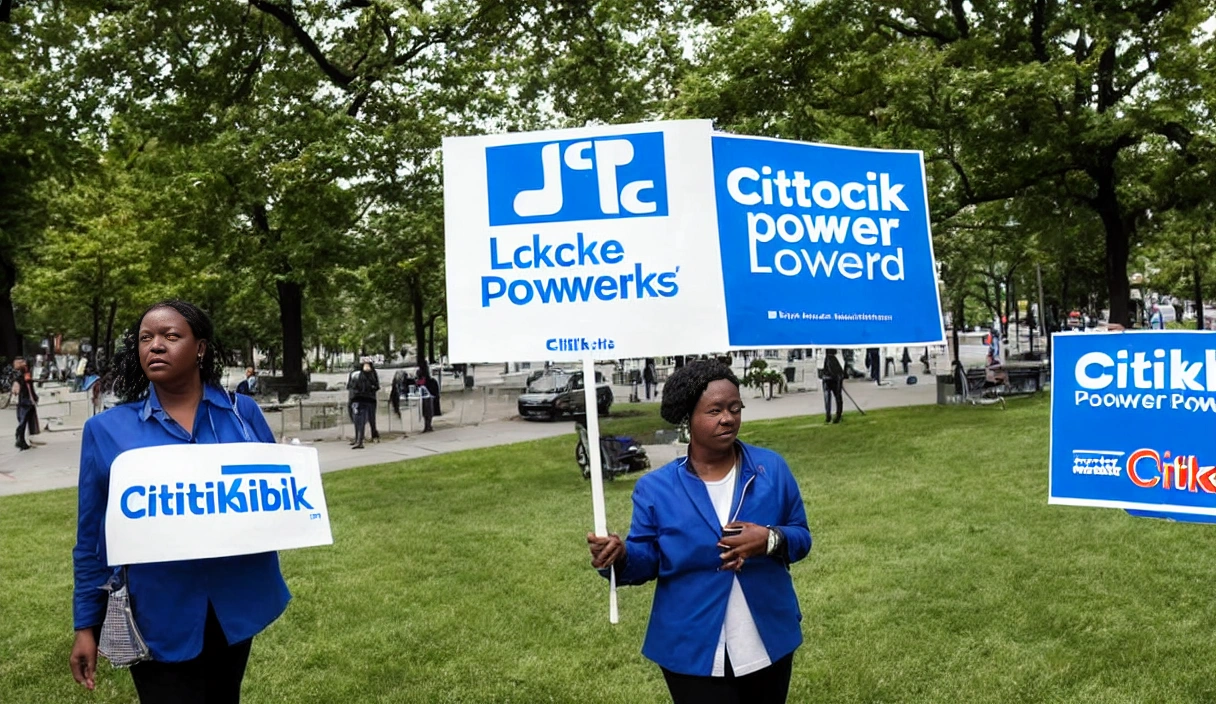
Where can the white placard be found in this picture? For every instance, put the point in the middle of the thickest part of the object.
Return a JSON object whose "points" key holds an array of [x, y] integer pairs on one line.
{"points": [[596, 240], [183, 502]]}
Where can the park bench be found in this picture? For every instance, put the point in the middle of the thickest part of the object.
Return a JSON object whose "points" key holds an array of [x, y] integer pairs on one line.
{"points": [[1015, 379]]}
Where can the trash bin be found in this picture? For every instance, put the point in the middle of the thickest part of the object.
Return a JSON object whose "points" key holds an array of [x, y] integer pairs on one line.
{"points": [[789, 375], [945, 388], [468, 381]]}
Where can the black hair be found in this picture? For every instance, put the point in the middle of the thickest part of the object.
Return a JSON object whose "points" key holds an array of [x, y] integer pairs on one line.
{"points": [[684, 387], [130, 382]]}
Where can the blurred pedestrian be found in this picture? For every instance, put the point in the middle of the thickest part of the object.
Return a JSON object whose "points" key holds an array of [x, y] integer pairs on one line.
{"points": [[833, 386], [648, 377], [27, 403], [248, 385], [363, 387], [428, 391]]}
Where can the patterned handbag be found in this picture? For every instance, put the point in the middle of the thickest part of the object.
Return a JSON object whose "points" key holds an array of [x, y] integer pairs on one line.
{"points": [[121, 642]]}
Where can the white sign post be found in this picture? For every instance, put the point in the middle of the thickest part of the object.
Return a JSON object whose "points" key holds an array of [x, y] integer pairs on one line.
{"points": [[600, 513]]}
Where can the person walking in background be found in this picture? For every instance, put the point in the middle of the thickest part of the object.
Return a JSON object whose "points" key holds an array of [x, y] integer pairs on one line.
{"points": [[1157, 320], [370, 368], [874, 364], [82, 365], [648, 377], [362, 393], [833, 386], [248, 385], [402, 382], [27, 403], [717, 530], [429, 393]]}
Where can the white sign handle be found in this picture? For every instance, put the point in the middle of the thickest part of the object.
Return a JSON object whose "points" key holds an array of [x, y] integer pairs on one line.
{"points": [[590, 397]]}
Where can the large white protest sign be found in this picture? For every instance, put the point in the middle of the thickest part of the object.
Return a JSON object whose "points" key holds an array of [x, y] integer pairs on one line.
{"points": [[598, 240], [183, 502]]}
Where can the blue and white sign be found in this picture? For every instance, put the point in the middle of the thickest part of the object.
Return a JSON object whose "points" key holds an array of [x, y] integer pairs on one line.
{"points": [[596, 240], [664, 238], [185, 502], [619, 176], [824, 245], [1131, 422]]}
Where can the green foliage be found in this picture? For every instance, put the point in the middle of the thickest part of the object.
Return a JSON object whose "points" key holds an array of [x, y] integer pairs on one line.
{"points": [[1045, 125], [759, 376]]}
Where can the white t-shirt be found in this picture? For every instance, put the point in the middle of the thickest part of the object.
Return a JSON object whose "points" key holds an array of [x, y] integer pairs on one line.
{"points": [[739, 634]]}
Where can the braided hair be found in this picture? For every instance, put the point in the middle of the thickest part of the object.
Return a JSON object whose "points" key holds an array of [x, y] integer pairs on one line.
{"points": [[130, 382], [684, 387]]}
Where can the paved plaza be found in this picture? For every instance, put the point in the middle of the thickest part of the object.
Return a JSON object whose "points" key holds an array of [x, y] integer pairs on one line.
{"points": [[480, 417]]}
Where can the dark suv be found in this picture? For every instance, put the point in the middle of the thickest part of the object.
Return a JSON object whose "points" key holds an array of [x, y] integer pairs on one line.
{"points": [[555, 394]]}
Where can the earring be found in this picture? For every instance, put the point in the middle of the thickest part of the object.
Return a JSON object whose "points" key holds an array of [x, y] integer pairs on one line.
{"points": [[200, 361]]}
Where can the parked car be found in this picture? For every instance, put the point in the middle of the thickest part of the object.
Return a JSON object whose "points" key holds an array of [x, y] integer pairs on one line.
{"points": [[556, 394]]}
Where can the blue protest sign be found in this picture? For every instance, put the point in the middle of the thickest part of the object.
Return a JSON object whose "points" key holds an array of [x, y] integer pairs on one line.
{"points": [[824, 245], [1131, 422]]}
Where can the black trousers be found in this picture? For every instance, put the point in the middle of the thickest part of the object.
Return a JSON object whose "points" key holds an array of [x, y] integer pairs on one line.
{"points": [[27, 420], [371, 419], [833, 388], [428, 412], [214, 677], [362, 411], [768, 686]]}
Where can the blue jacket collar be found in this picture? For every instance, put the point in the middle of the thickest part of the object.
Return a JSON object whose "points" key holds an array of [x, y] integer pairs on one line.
{"points": [[211, 394], [698, 495]]}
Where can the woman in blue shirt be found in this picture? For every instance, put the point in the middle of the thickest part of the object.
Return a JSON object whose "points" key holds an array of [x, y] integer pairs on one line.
{"points": [[198, 616], [718, 529]]}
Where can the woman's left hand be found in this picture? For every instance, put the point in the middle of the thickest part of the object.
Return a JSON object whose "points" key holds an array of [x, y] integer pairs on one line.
{"points": [[751, 542]]}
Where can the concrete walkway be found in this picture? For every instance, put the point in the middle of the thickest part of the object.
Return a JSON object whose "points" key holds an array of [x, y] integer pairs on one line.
{"points": [[54, 463]]}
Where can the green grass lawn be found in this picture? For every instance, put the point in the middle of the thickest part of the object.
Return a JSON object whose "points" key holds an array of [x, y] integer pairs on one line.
{"points": [[939, 574]]}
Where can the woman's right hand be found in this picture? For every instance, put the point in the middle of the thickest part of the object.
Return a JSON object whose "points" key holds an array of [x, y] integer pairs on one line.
{"points": [[84, 658], [605, 551]]}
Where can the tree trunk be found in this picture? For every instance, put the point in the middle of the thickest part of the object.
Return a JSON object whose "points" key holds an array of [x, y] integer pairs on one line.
{"points": [[1198, 295], [95, 340], [291, 318], [110, 331], [1118, 230], [420, 339], [430, 339], [958, 322], [10, 340]]}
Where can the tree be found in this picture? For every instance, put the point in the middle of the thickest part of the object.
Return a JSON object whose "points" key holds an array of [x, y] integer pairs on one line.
{"points": [[93, 259], [38, 149], [1077, 102]]}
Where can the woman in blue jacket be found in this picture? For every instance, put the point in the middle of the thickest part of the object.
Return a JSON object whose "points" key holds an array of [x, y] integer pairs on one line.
{"points": [[718, 529], [198, 616]]}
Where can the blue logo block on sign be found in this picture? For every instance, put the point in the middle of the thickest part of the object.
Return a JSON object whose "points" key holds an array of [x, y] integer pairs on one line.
{"points": [[609, 177]]}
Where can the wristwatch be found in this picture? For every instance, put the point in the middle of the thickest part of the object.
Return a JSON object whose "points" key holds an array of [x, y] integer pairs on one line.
{"points": [[774, 540]]}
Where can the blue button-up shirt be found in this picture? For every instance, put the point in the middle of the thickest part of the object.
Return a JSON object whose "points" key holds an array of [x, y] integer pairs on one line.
{"points": [[170, 599]]}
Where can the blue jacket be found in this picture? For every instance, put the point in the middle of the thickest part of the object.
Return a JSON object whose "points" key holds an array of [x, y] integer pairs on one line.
{"points": [[170, 599], [673, 537]]}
